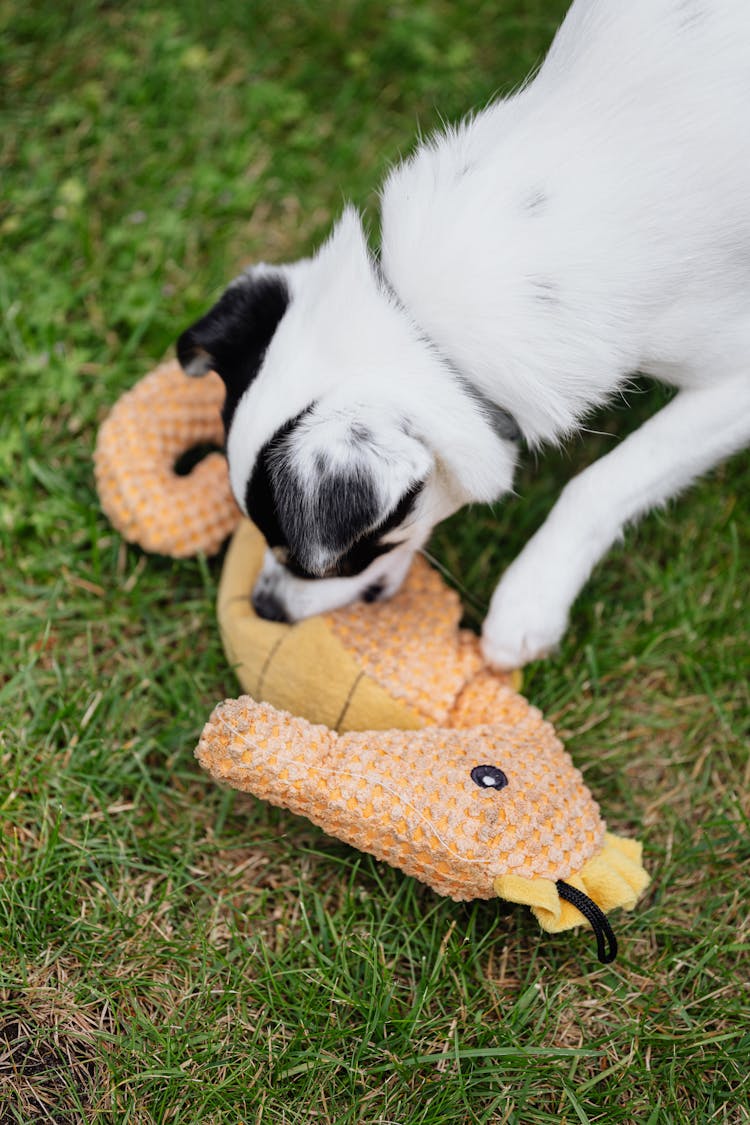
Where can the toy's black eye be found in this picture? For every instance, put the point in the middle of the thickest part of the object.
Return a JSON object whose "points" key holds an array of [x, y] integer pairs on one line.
{"points": [[488, 777]]}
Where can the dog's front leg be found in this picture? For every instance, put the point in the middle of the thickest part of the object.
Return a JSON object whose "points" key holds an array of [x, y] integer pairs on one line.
{"points": [[530, 607]]}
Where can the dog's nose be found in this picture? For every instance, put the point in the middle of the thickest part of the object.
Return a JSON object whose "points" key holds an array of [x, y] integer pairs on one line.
{"points": [[268, 606]]}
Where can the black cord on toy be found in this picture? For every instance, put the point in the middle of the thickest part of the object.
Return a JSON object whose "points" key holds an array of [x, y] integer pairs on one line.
{"points": [[599, 923]]}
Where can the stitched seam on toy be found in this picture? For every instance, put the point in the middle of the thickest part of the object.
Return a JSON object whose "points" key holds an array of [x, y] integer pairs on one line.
{"points": [[402, 695], [264, 670], [348, 700]]}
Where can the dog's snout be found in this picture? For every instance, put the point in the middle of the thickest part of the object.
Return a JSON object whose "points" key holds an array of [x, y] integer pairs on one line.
{"points": [[268, 606]]}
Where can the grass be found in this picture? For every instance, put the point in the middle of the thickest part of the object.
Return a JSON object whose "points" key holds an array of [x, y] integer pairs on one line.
{"points": [[174, 952]]}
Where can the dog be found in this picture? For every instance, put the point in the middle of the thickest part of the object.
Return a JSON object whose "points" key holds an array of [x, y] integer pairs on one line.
{"points": [[592, 225]]}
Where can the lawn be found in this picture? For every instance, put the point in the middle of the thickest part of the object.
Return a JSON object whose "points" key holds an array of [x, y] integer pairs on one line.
{"points": [[173, 952]]}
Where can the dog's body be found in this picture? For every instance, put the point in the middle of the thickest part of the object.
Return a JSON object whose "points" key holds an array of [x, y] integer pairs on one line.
{"points": [[595, 224]]}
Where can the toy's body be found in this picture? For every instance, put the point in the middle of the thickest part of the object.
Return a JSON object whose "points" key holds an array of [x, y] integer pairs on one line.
{"points": [[481, 801], [409, 747], [162, 417]]}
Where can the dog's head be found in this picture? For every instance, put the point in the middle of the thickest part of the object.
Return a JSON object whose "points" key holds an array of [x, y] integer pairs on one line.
{"points": [[342, 440]]}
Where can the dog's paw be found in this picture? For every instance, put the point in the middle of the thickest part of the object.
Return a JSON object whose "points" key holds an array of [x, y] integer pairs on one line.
{"points": [[520, 629]]}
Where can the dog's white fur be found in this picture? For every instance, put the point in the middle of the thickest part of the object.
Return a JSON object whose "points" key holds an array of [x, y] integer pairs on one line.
{"points": [[594, 224]]}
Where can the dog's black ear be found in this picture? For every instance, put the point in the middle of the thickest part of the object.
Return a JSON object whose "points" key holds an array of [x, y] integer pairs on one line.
{"points": [[232, 337]]}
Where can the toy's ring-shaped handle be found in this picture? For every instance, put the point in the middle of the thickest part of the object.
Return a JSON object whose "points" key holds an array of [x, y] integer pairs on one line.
{"points": [[150, 428]]}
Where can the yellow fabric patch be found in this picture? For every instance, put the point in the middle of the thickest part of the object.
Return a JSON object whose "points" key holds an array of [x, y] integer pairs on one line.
{"points": [[613, 878]]}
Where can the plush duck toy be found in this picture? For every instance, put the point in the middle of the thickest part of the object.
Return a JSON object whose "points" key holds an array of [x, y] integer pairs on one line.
{"points": [[379, 723]]}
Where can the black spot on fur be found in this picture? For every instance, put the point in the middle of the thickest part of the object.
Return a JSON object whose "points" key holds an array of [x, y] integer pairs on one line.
{"points": [[309, 517], [332, 520], [360, 556], [373, 592], [501, 421], [233, 336], [536, 202], [342, 505], [546, 291], [371, 546], [403, 509], [359, 433], [260, 500], [690, 14]]}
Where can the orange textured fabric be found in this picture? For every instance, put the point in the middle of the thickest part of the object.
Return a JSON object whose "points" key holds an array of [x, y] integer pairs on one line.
{"points": [[411, 644], [411, 799], [164, 416]]}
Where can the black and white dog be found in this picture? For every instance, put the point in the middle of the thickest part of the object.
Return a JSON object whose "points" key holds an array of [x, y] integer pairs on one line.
{"points": [[594, 224]]}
